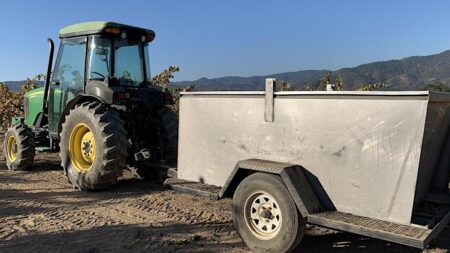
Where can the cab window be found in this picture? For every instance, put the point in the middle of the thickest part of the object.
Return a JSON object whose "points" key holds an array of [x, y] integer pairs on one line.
{"points": [[69, 67], [99, 58], [128, 67]]}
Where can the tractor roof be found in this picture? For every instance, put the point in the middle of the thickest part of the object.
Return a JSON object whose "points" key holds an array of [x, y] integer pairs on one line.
{"points": [[99, 27]]}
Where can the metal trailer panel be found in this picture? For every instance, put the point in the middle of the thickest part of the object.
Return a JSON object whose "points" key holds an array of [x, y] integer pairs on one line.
{"points": [[361, 150], [434, 163]]}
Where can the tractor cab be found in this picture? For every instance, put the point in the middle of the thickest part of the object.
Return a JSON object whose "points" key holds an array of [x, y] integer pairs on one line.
{"points": [[103, 51], [98, 59]]}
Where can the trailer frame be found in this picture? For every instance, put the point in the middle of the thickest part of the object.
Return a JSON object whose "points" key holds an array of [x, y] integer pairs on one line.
{"points": [[318, 213]]}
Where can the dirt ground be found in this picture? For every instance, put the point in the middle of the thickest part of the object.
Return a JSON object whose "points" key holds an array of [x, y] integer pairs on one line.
{"points": [[40, 212]]}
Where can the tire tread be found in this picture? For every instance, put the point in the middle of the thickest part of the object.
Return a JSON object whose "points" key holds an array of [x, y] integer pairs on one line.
{"points": [[114, 147]]}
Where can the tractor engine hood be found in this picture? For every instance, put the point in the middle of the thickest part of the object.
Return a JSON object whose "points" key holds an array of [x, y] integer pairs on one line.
{"points": [[33, 105]]}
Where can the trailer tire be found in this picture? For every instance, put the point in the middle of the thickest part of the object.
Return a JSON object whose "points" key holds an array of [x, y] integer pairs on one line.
{"points": [[93, 146], [19, 147], [281, 228], [168, 125]]}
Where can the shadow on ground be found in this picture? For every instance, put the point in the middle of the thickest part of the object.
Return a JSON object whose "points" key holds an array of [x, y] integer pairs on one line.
{"points": [[181, 238], [44, 189], [125, 238]]}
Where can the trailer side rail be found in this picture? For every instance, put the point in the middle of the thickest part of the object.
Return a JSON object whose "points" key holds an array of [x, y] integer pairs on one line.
{"points": [[418, 237]]}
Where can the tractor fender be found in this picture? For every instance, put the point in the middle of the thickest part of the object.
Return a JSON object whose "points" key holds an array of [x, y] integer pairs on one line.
{"points": [[101, 91], [292, 175], [81, 98]]}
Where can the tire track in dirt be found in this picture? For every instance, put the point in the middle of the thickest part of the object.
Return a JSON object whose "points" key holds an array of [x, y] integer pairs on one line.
{"points": [[69, 220], [15, 218], [170, 209], [6, 233]]}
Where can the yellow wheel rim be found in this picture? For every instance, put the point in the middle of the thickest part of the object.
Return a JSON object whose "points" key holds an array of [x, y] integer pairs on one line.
{"points": [[82, 148], [11, 148]]}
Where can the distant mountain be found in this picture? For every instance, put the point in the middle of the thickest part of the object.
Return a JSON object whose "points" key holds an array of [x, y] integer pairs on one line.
{"points": [[235, 83], [411, 73], [16, 85]]}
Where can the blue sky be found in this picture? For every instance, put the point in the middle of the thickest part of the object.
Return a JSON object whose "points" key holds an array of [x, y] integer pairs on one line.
{"points": [[212, 38]]}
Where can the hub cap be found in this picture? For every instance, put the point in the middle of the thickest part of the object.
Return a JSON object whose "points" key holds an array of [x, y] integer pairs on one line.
{"points": [[11, 148], [262, 215], [82, 148]]}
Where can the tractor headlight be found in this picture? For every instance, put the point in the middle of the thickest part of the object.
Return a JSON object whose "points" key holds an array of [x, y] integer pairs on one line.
{"points": [[123, 35]]}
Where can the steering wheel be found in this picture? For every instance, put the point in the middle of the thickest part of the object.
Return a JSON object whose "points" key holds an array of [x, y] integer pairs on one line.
{"points": [[100, 74]]}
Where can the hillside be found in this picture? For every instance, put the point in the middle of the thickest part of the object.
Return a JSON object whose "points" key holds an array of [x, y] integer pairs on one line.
{"points": [[251, 83], [411, 73], [16, 85]]}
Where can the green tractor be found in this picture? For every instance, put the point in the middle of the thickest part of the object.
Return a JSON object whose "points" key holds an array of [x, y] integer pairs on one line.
{"points": [[98, 108]]}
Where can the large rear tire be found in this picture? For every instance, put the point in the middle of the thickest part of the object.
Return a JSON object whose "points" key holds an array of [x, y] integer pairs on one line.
{"points": [[19, 147], [93, 146], [168, 124], [265, 215]]}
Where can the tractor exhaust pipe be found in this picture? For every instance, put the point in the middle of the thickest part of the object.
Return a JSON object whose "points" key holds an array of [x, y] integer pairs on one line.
{"points": [[47, 78]]}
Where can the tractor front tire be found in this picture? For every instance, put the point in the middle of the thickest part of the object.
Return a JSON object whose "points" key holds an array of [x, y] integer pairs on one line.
{"points": [[19, 147], [93, 146]]}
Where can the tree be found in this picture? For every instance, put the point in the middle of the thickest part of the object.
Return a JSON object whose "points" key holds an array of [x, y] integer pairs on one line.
{"points": [[32, 83], [163, 78], [11, 102], [283, 85], [437, 85], [308, 87], [326, 79], [371, 86], [176, 95], [339, 83]]}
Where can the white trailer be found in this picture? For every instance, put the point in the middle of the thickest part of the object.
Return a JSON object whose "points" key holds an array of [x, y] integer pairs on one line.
{"points": [[370, 163]]}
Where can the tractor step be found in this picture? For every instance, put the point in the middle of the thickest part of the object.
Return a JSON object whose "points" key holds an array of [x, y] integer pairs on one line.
{"points": [[172, 172], [193, 188]]}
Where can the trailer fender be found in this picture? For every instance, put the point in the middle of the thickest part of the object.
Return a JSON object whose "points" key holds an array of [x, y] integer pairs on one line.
{"points": [[292, 175]]}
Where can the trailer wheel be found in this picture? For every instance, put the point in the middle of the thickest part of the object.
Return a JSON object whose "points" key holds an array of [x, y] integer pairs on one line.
{"points": [[265, 215], [168, 124], [93, 146], [19, 147]]}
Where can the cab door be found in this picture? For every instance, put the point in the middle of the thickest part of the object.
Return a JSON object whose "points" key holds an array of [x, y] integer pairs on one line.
{"points": [[68, 79]]}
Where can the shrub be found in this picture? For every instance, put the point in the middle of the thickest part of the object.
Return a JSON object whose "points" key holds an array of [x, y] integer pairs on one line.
{"points": [[371, 86], [11, 102], [163, 80]]}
